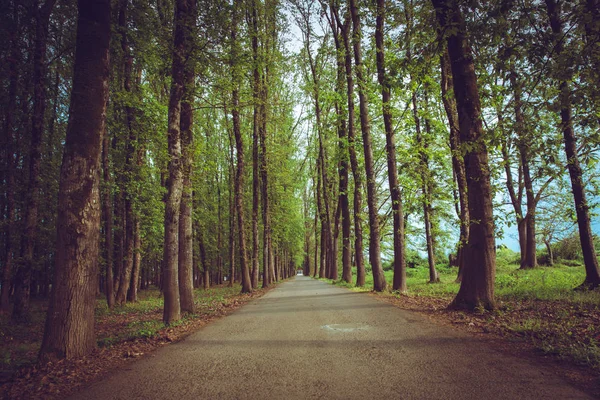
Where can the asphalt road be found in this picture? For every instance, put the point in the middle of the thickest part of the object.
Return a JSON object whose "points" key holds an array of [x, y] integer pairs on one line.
{"points": [[310, 340]]}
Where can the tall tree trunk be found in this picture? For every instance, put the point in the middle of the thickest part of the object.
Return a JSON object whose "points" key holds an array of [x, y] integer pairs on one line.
{"points": [[256, 91], [272, 270], [428, 187], [550, 253], [128, 222], [267, 249], [343, 208], [232, 212], [399, 262], [172, 305], [119, 232], [335, 242], [69, 329], [321, 179], [10, 166], [354, 165], [108, 222], [528, 252], [137, 262], [320, 212], [239, 144], [203, 260], [592, 272], [379, 283], [186, 245], [515, 197], [307, 234], [316, 224], [29, 237], [477, 287], [266, 213], [458, 161], [219, 235]]}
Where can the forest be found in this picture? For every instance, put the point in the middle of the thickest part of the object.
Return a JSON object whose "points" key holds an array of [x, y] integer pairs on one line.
{"points": [[180, 145]]}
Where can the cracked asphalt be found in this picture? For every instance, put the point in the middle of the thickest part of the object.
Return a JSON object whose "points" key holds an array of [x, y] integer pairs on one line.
{"points": [[307, 339]]}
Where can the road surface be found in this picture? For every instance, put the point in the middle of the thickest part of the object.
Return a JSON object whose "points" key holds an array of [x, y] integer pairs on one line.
{"points": [[310, 340]]}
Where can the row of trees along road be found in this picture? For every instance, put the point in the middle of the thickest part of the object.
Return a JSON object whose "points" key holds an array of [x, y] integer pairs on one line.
{"points": [[188, 143]]}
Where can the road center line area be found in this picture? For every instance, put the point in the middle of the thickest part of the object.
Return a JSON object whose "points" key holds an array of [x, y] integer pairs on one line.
{"points": [[307, 339]]}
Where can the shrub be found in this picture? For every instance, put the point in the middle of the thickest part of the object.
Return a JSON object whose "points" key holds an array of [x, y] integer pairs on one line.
{"points": [[568, 248]]}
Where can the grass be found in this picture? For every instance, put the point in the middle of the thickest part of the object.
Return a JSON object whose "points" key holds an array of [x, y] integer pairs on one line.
{"points": [[542, 283]]}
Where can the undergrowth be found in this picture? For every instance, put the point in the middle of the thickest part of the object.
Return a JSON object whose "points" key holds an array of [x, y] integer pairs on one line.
{"points": [[20, 343]]}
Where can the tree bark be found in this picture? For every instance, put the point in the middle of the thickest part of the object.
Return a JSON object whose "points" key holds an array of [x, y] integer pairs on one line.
{"points": [[186, 245], [232, 212], [239, 144], [458, 161], [592, 272], [316, 225], [203, 260], [354, 165], [343, 202], [255, 139], [320, 212], [428, 188], [425, 196], [268, 267], [379, 283], [128, 222], [528, 256], [550, 253], [477, 287], [137, 262], [119, 232], [10, 167], [69, 329], [399, 262], [172, 305], [108, 222], [28, 240]]}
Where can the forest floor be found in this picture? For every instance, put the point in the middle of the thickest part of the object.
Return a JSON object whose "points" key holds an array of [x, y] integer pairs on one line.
{"points": [[538, 315], [124, 334]]}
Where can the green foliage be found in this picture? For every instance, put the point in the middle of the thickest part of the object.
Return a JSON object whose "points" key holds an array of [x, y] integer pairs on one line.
{"points": [[568, 248]]}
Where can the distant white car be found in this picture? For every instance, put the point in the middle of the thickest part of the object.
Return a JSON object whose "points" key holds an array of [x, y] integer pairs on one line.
{"points": [[300, 273]]}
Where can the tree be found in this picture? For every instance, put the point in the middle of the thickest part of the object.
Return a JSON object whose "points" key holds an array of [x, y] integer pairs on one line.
{"points": [[354, 164], [172, 308], [28, 239], [10, 167], [399, 283], [458, 161], [186, 256], [477, 287], [342, 209], [107, 211], [564, 76], [239, 144], [255, 139], [69, 329], [379, 283], [127, 217]]}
